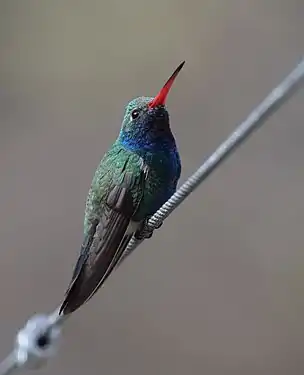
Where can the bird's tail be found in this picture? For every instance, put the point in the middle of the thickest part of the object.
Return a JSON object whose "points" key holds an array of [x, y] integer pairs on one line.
{"points": [[84, 286], [102, 249]]}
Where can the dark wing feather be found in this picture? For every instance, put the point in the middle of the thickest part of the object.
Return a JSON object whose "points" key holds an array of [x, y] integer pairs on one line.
{"points": [[103, 245]]}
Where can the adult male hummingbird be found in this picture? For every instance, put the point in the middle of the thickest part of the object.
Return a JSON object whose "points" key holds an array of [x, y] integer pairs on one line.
{"points": [[137, 175]]}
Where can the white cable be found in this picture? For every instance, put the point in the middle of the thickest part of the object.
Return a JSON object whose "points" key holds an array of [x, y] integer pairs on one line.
{"points": [[38, 340]]}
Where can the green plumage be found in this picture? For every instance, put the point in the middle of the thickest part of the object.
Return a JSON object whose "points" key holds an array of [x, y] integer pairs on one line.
{"points": [[133, 180], [112, 169], [118, 162]]}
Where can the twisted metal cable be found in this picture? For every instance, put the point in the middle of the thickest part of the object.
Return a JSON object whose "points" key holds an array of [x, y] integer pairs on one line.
{"points": [[38, 340]]}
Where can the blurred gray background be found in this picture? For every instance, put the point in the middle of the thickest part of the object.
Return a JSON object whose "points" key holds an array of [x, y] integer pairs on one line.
{"points": [[219, 289]]}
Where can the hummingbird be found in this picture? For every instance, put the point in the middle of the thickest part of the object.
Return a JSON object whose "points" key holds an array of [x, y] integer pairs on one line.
{"points": [[136, 176]]}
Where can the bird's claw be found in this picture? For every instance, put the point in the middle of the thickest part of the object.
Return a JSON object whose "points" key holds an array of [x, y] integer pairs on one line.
{"points": [[145, 232], [159, 225], [143, 235]]}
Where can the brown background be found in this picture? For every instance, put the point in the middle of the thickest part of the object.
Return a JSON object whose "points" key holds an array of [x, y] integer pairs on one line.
{"points": [[219, 290]]}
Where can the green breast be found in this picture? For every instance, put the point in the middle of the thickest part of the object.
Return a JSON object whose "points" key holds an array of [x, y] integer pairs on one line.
{"points": [[111, 171], [147, 197]]}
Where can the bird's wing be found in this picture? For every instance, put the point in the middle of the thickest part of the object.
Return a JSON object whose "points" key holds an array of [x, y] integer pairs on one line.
{"points": [[105, 241]]}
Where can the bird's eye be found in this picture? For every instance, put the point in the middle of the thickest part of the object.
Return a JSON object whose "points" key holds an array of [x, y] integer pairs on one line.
{"points": [[135, 114]]}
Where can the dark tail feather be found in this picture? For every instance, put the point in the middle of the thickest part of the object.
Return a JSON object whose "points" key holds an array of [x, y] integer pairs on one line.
{"points": [[122, 247], [84, 286], [102, 248]]}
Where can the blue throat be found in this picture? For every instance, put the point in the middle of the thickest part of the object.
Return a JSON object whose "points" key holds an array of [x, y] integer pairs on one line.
{"points": [[144, 144], [164, 150]]}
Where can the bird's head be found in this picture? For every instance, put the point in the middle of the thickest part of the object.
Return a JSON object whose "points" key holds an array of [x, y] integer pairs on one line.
{"points": [[146, 120]]}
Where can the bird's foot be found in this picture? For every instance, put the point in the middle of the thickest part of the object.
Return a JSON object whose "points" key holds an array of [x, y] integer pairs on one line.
{"points": [[145, 232]]}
